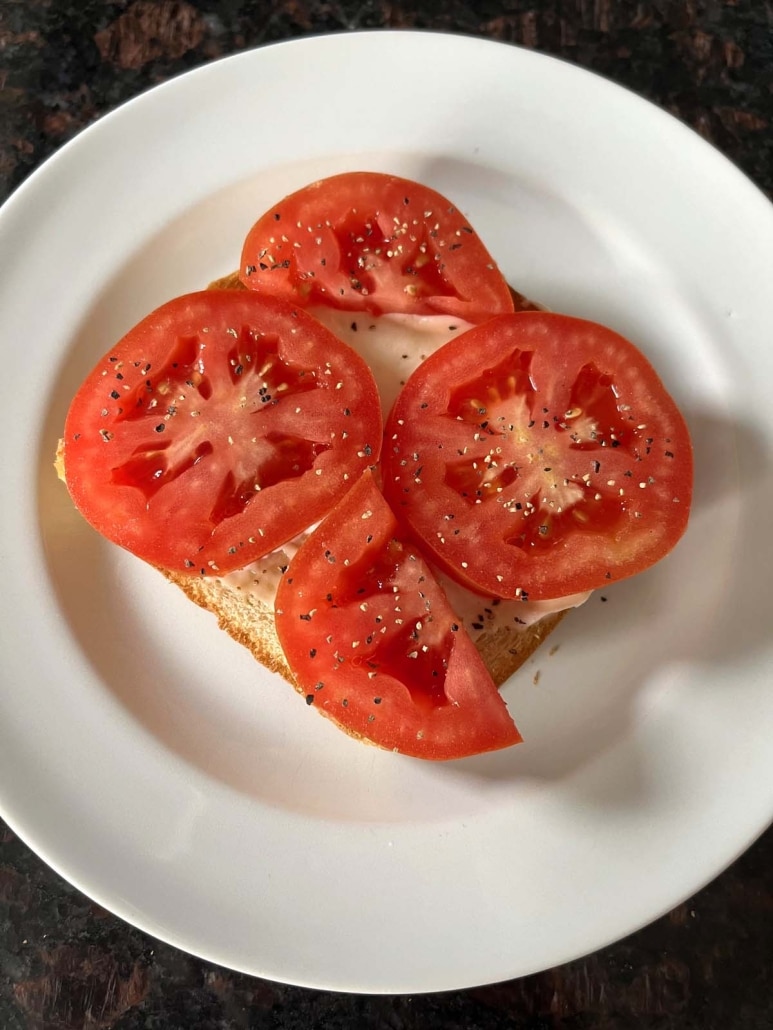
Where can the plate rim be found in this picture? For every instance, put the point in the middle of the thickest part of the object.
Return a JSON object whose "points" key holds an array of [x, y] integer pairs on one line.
{"points": [[72, 145]]}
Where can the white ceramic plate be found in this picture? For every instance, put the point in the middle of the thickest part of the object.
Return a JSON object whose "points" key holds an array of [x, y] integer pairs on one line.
{"points": [[157, 767]]}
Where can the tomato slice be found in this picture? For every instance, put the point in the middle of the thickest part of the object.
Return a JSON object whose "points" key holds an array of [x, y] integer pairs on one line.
{"points": [[539, 455], [363, 241], [374, 644], [218, 428]]}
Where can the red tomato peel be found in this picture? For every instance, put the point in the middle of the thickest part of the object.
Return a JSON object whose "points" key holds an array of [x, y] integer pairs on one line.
{"points": [[374, 644], [363, 241], [538, 456], [218, 428]]}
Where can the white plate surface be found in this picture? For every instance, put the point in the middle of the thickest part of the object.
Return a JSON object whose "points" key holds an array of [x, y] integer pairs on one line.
{"points": [[157, 767]]}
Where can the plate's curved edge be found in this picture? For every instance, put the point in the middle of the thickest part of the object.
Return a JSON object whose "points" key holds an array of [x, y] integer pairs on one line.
{"points": [[354, 36], [75, 879], [403, 985]]}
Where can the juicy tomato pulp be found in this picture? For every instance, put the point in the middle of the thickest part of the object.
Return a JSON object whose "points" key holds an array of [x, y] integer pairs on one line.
{"points": [[538, 456], [217, 429], [374, 644], [363, 241]]}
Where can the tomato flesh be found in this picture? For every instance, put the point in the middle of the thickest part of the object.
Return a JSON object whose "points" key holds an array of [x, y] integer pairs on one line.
{"points": [[217, 429], [363, 241], [538, 456], [374, 644]]}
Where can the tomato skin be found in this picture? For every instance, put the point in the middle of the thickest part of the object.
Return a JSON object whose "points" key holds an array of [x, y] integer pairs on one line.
{"points": [[538, 456], [374, 644], [363, 241], [218, 428]]}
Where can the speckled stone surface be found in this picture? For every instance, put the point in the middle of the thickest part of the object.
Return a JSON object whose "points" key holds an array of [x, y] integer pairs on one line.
{"points": [[64, 961]]}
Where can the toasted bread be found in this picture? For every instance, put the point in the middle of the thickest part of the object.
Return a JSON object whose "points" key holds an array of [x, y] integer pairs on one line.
{"points": [[250, 621]]}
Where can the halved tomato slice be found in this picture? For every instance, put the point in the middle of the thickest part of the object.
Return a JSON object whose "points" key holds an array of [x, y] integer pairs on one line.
{"points": [[374, 644], [538, 456], [363, 241], [218, 428]]}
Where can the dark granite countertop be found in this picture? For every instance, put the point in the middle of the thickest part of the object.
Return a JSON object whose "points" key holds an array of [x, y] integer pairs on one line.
{"points": [[64, 961]]}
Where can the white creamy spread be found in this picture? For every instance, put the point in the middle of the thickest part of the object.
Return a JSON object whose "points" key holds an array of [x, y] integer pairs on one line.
{"points": [[479, 614], [394, 346]]}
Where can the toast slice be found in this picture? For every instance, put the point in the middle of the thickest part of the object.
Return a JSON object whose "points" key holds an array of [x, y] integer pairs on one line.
{"points": [[250, 621]]}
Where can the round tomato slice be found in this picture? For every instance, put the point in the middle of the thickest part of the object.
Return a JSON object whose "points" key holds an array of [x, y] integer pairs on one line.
{"points": [[373, 642], [537, 456], [363, 241], [218, 428]]}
